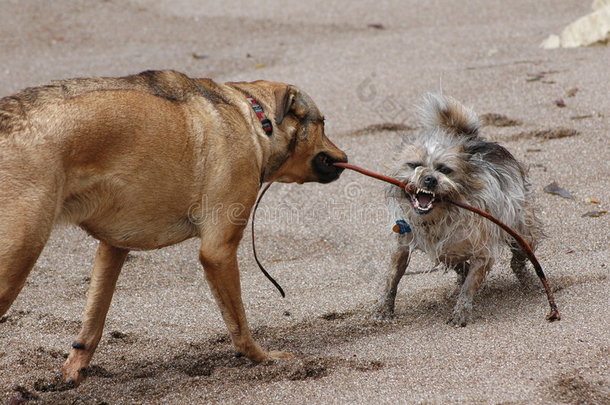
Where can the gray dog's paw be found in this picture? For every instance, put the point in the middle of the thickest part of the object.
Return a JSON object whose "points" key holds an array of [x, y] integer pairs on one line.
{"points": [[462, 312], [382, 313], [460, 317], [458, 320]]}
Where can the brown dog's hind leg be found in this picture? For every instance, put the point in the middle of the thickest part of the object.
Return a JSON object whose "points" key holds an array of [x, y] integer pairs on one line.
{"points": [[26, 220], [384, 308], [462, 311], [15, 266], [106, 269]]}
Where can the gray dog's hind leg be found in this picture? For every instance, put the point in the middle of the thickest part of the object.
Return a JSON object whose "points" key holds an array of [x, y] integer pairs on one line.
{"points": [[532, 231], [462, 311], [462, 272], [518, 264]]}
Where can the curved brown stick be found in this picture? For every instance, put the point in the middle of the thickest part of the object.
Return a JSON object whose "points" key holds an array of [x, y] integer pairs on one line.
{"points": [[377, 176], [554, 314]]}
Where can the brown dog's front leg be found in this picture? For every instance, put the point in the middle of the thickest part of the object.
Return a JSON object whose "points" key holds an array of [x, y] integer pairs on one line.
{"points": [[222, 275], [106, 269]]}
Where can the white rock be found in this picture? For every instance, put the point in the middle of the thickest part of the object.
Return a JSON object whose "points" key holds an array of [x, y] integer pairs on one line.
{"points": [[597, 4], [591, 29], [552, 42]]}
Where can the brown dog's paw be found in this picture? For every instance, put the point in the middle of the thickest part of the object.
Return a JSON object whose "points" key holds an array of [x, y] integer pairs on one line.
{"points": [[73, 371], [72, 379], [58, 384], [277, 355]]}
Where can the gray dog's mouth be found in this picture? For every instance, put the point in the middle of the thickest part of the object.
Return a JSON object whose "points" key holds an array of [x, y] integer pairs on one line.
{"points": [[422, 201]]}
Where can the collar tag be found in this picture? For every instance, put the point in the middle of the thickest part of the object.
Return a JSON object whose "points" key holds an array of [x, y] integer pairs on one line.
{"points": [[401, 227], [260, 113]]}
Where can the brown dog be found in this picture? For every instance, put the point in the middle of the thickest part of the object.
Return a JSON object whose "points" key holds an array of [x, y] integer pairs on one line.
{"points": [[128, 158]]}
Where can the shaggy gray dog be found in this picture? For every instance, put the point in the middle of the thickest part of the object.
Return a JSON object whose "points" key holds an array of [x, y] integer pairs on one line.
{"points": [[448, 160]]}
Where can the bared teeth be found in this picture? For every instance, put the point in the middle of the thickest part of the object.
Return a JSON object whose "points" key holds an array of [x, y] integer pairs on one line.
{"points": [[422, 191], [422, 200]]}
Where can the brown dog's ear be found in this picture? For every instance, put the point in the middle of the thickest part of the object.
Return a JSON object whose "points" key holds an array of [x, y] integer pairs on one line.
{"points": [[284, 98]]}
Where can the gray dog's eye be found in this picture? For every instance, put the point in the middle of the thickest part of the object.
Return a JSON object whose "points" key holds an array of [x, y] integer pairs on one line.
{"points": [[413, 165], [444, 169]]}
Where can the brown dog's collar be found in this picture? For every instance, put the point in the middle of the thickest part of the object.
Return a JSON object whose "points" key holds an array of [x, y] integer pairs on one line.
{"points": [[260, 113]]}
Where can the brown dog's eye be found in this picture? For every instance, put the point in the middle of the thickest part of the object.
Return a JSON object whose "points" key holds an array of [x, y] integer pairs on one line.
{"points": [[444, 169], [413, 165]]}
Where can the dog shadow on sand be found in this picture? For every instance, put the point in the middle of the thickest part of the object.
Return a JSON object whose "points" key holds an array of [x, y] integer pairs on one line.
{"points": [[213, 365]]}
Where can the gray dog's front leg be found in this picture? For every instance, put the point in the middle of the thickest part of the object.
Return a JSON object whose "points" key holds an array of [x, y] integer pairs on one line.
{"points": [[384, 308]]}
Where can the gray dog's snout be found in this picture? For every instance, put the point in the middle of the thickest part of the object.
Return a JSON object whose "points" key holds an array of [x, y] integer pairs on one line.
{"points": [[430, 182]]}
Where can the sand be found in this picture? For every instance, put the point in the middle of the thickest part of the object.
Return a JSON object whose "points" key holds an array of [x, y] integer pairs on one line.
{"points": [[328, 245]]}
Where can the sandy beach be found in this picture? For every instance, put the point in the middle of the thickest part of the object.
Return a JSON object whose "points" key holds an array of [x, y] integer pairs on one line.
{"points": [[367, 65]]}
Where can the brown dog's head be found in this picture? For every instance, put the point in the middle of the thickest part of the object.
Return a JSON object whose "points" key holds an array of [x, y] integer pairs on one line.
{"points": [[300, 151]]}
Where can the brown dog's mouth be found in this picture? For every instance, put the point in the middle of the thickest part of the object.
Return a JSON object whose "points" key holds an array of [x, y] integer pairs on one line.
{"points": [[423, 201], [324, 167], [325, 159]]}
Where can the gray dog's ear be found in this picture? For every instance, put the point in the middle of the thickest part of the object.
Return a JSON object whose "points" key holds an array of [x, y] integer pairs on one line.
{"points": [[445, 112], [284, 100]]}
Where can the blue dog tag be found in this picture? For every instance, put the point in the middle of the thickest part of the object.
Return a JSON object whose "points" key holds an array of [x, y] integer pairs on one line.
{"points": [[401, 227]]}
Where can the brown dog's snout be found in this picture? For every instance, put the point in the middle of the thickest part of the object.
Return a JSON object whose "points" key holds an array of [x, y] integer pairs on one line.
{"points": [[323, 165]]}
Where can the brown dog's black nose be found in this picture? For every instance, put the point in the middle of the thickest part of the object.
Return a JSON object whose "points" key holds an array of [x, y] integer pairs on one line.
{"points": [[323, 165], [430, 182]]}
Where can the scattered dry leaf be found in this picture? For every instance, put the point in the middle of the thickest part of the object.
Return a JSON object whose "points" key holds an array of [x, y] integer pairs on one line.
{"points": [[546, 134], [377, 26], [556, 133], [572, 92], [534, 77], [498, 120], [199, 55], [382, 127], [23, 396], [540, 165], [581, 117], [554, 188], [592, 200], [594, 214], [560, 103], [259, 66], [117, 335]]}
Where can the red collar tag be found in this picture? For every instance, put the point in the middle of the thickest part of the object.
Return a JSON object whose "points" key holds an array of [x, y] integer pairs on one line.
{"points": [[260, 113]]}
